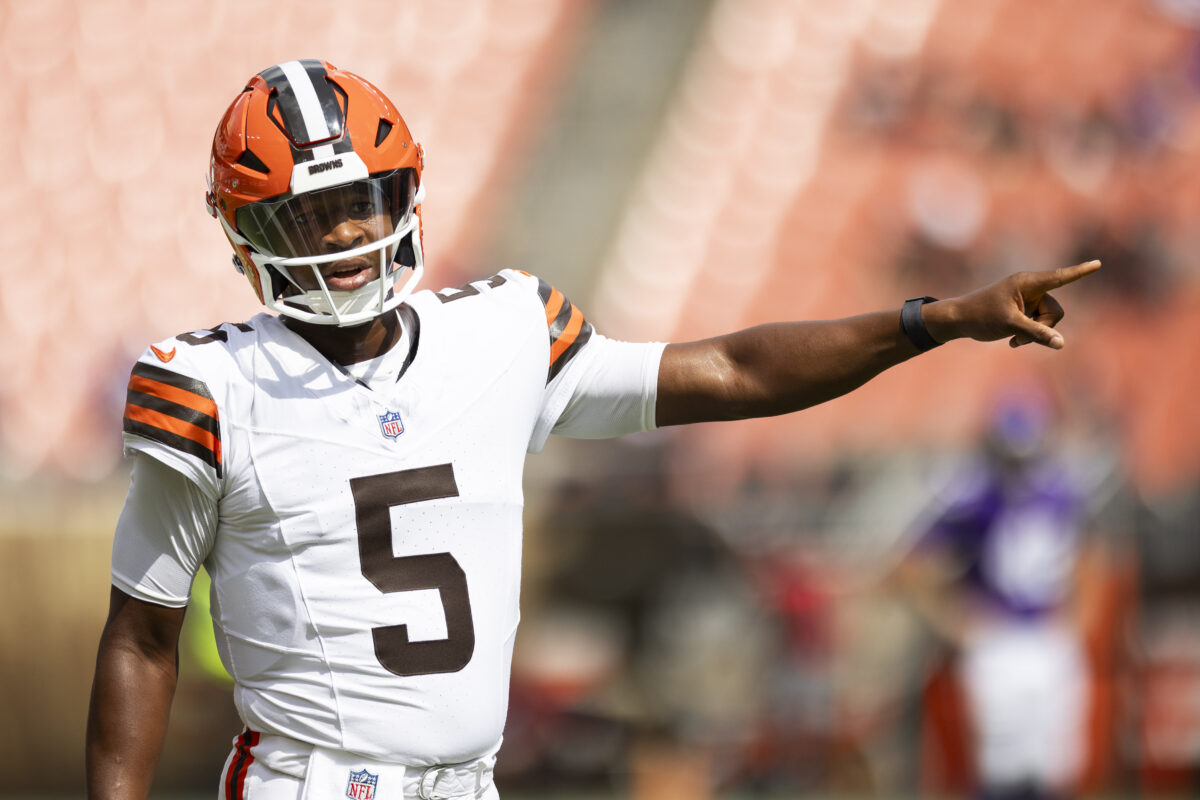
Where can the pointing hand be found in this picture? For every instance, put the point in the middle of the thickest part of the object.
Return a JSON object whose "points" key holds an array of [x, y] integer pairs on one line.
{"points": [[1019, 306]]}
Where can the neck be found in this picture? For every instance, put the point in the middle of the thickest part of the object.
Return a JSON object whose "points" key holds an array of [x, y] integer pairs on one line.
{"points": [[350, 345]]}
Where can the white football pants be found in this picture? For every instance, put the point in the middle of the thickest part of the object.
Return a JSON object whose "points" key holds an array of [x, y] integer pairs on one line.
{"points": [[1026, 690]]}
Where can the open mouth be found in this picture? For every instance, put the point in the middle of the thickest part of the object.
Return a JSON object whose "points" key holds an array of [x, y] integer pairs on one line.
{"points": [[345, 276]]}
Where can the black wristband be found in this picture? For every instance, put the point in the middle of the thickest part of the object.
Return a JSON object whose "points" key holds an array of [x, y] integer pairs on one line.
{"points": [[913, 326]]}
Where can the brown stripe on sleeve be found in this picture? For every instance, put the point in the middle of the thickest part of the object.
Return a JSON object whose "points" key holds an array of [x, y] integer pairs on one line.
{"points": [[569, 330], [578, 339], [166, 376], [567, 337], [175, 410], [175, 433], [173, 441], [173, 394], [544, 289], [554, 307], [183, 413]]}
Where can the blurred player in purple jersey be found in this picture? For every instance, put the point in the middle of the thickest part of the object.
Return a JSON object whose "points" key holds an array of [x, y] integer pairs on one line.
{"points": [[993, 571]]}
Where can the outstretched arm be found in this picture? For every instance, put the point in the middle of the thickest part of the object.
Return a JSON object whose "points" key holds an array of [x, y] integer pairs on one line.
{"points": [[782, 367], [136, 672]]}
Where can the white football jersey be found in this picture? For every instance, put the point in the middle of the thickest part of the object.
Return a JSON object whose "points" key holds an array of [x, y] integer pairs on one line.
{"points": [[366, 557]]}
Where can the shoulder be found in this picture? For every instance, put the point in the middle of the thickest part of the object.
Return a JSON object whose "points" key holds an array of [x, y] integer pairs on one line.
{"points": [[177, 390], [204, 350], [523, 301], [966, 488], [204, 360], [508, 286]]}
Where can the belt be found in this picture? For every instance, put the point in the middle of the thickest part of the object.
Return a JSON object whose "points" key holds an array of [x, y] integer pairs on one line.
{"points": [[337, 775], [452, 781]]}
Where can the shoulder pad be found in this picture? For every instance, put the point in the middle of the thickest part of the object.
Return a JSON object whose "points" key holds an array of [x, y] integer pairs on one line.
{"points": [[567, 329], [170, 409], [175, 410]]}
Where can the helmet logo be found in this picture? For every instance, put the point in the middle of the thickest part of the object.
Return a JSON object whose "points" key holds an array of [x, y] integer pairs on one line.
{"points": [[324, 166]]}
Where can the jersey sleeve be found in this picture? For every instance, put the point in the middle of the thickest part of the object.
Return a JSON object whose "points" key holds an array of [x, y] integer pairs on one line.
{"points": [[596, 387], [165, 531], [172, 416]]}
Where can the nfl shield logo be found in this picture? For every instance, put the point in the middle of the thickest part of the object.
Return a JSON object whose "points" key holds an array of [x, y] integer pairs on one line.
{"points": [[391, 424], [361, 785]]}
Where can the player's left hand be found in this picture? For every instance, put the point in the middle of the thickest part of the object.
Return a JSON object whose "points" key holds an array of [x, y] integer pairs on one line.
{"points": [[1019, 306]]}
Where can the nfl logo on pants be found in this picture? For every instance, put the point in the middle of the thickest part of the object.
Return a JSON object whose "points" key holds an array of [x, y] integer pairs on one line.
{"points": [[361, 785]]}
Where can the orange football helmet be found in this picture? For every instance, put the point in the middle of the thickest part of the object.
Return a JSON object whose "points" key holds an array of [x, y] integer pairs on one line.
{"points": [[305, 148]]}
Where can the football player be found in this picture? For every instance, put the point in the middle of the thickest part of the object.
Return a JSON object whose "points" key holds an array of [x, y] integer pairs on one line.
{"points": [[993, 571], [348, 468]]}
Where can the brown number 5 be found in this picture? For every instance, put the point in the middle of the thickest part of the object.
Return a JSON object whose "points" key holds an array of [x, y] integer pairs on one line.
{"points": [[374, 496]]}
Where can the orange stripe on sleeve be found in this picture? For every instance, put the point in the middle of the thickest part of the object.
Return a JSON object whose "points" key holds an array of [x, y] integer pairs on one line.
{"points": [[176, 426], [568, 335], [553, 306], [173, 393]]}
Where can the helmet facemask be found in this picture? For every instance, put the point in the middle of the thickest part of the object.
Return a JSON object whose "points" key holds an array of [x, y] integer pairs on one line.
{"points": [[316, 181], [362, 234]]}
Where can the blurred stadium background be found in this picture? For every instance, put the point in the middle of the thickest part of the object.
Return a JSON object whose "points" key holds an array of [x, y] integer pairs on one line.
{"points": [[707, 611]]}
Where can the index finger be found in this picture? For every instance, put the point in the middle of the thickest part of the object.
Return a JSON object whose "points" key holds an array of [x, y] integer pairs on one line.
{"points": [[1054, 278]]}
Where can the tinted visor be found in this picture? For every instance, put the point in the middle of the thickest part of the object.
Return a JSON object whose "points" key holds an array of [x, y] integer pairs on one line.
{"points": [[301, 225]]}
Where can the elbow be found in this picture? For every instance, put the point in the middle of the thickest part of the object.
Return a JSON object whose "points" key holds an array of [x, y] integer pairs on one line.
{"points": [[713, 381], [743, 398]]}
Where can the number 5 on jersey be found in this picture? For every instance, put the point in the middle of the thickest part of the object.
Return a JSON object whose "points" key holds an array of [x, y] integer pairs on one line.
{"points": [[374, 497]]}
